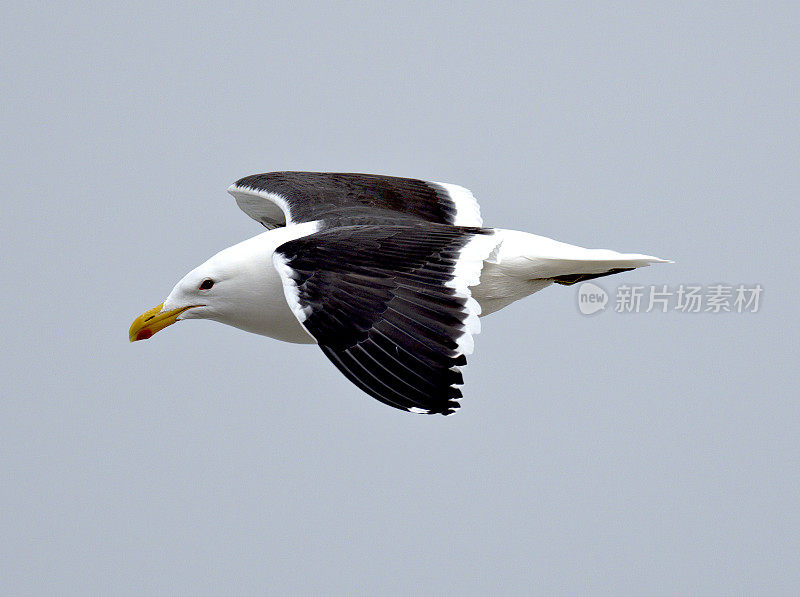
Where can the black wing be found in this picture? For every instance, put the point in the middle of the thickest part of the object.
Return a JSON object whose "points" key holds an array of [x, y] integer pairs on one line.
{"points": [[280, 198], [390, 306]]}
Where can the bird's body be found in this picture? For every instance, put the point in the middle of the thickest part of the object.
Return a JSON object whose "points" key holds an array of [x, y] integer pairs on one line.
{"points": [[387, 275]]}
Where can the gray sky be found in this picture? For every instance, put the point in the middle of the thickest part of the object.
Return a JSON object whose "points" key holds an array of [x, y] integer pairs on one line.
{"points": [[639, 453]]}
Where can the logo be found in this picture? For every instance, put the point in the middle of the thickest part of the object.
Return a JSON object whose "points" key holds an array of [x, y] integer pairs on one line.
{"points": [[591, 298]]}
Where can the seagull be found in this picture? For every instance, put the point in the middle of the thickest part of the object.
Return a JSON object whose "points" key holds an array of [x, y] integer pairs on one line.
{"points": [[387, 275]]}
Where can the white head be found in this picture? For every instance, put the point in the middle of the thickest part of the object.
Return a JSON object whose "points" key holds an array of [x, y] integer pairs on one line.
{"points": [[234, 287]]}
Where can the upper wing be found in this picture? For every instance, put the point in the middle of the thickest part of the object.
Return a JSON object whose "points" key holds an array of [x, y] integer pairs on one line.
{"points": [[281, 198], [390, 306]]}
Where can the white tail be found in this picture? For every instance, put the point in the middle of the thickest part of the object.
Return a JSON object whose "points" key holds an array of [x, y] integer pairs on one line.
{"points": [[524, 263]]}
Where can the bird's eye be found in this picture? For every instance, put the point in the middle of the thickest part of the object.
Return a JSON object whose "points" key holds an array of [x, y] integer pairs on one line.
{"points": [[206, 284]]}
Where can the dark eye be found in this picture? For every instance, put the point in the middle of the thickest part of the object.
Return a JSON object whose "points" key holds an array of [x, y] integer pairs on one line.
{"points": [[206, 284]]}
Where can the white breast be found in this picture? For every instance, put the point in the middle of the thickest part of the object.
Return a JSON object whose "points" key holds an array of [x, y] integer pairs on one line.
{"points": [[261, 304]]}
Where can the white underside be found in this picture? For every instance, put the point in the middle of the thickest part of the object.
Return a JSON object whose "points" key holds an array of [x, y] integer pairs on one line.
{"points": [[516, 265]]}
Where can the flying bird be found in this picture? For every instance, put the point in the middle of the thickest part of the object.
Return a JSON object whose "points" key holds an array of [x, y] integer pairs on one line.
{"points": [[387, 275]]}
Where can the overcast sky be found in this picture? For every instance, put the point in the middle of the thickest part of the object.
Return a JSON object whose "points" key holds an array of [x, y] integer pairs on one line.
{"points": [[618, 453]]}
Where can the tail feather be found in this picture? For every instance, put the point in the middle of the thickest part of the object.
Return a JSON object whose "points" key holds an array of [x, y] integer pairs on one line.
{"points": [[523, 263], [537, 257]]}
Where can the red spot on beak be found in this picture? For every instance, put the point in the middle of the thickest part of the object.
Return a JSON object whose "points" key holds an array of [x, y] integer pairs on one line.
{"points": [[144, 334]]}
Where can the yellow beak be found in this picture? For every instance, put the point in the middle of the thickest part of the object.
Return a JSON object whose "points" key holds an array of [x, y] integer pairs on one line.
{"points": [[152, 321]]}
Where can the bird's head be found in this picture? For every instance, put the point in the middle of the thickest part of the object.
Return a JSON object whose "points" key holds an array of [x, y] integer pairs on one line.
{"points": [[226, 288]]}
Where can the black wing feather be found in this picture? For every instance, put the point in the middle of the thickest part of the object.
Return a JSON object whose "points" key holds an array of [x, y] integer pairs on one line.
{"points": [[357, 198], [380, 304]]}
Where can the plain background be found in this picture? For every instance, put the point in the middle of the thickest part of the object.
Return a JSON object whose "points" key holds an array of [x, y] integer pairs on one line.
{"points": [[650, 453]]}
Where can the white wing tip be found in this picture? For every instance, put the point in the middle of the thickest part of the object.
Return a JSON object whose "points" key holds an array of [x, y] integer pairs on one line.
{"points": [[468, 211]]}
